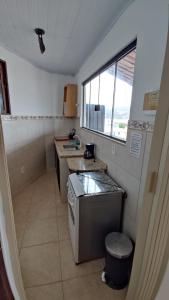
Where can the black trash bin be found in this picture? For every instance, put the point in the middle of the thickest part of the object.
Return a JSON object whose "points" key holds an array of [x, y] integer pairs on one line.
{"points": [[119, 254]]}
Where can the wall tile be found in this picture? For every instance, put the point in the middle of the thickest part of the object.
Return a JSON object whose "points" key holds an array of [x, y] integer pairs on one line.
{"points": [[127, 170], [144, 168], [29, 144], [130, 227], [131, 185]]}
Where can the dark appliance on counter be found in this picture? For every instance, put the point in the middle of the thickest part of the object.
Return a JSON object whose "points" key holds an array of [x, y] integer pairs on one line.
{"points": [[90, 151]]}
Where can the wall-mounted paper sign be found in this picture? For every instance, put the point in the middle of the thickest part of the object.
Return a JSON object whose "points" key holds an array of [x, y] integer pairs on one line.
{"points": [[135, 144], [151, 100]]}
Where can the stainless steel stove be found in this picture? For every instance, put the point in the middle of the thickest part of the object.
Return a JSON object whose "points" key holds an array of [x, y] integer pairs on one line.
{"points": [[95, 207]]}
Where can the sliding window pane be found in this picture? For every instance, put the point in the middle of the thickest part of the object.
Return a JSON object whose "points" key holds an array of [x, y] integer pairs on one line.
{"points": [[94, 100], [107, 79], [86, 105], [123, 95]]}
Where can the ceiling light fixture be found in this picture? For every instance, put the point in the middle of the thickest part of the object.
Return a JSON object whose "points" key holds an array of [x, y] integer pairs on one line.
{"points": [[40, 32]]}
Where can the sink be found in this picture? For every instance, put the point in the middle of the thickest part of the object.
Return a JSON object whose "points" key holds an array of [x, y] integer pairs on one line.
{"points": [[70, 147]]}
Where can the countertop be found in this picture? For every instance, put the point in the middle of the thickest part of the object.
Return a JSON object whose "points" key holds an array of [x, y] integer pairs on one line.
{"points": [[64, 153], [83, 165]]}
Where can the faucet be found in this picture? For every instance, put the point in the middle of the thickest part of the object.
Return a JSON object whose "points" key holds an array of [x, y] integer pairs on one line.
{"points": [[78, 141]]}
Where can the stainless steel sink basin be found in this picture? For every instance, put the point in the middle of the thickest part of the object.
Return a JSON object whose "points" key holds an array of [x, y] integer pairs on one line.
{"points": [[70, 147]]}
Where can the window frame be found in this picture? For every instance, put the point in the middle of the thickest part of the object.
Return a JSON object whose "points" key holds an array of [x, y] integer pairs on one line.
{"points": [[125, 51]]}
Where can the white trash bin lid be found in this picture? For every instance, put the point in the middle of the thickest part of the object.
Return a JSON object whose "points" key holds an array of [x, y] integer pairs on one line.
{"points": [[118, 245]]}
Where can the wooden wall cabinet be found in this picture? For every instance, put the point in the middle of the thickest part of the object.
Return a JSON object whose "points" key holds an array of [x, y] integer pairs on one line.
{"points": [[70, 100]]}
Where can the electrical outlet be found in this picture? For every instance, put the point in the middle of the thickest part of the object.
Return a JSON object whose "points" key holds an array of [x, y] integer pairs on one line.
{"points": [[113, 149], [22, 169]]}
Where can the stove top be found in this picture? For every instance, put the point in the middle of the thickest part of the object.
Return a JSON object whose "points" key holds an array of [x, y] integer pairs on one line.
{"points": [[97, 182]]}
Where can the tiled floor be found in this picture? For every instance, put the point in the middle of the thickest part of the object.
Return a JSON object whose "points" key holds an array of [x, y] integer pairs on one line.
{"points": [[46, 258]]}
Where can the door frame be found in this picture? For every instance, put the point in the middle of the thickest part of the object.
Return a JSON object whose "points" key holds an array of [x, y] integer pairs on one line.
{"points": [[7, 228], [153, 205]]}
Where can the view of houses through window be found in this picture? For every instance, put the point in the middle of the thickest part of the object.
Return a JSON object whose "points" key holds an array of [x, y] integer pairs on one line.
{"points": [[107, 96]]}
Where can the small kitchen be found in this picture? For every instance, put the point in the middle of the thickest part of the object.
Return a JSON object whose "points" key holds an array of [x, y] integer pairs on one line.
{"points": [[87, 178], [78, 203], [77, 156]]}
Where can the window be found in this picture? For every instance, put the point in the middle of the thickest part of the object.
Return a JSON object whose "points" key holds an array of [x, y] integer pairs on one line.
{"points": [[107, 95], [4, 93]]}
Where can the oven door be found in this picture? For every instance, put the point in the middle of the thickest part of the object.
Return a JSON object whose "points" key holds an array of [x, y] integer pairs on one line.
{"points": [[73, 230]]}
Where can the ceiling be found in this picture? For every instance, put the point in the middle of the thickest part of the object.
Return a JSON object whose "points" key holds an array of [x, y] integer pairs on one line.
{"points": [[73, 29]]}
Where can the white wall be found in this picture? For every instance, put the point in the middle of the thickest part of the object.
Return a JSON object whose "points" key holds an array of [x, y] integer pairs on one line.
{"points": [[32, 90], [29, 143], [57, 83], [28, 87], [148, 21]]}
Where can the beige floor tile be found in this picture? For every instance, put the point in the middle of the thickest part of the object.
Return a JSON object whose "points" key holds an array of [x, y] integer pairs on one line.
{"points": [[42, 209], [44, 194], [40, 264], [20, 228], [20, 217], [40, 231], [20, 225], [44, 265], [46, 292], [46, 182], [61, 208], [63, 228], [21, 205], [57, 186], [44, 190], [70, 269], [25, 194], [90, 288]]}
